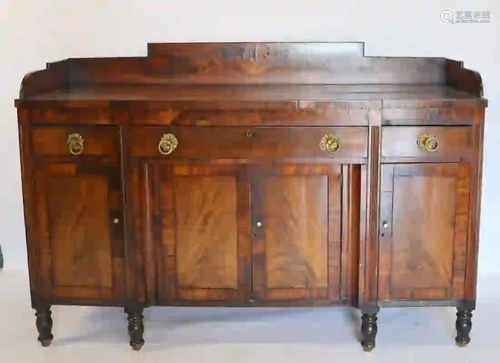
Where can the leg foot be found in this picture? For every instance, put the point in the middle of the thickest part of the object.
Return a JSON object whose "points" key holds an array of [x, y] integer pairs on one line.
{"points": [[464, 327], [369, 331], [135, 327], [44, 326]]}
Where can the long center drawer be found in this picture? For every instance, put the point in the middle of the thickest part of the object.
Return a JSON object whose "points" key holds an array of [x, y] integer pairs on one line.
{"points": [[248, 143]]}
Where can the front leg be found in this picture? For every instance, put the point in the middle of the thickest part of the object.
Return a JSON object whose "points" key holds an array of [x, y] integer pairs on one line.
{"points": [[464, 327], [135, 327], [369, 329], [44, 326]]}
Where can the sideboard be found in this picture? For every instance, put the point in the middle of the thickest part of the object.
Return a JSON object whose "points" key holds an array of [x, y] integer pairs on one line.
{"points": [[252, 174]]}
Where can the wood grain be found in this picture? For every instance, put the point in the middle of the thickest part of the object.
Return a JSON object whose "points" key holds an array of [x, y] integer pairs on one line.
{"points": [[194, 142], [268, 62], [203, 243], [303, 142], [428, 116], [80, 230], [401, 142], [97, 140], [206, 231], [271, 114], [69, 115], [250, 97], [296, 231], [295, 213], [462, 78], [424, 246], [475, 209]]}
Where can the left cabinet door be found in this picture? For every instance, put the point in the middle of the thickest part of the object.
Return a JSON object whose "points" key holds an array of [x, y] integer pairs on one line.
{"points": [[79, 238]]}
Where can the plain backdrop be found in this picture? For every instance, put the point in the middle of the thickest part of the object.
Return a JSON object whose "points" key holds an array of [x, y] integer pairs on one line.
{"points": [[34, 32]]}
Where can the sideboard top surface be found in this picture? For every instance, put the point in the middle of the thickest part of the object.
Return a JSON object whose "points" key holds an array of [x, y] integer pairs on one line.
{"points": [[254, 93]]}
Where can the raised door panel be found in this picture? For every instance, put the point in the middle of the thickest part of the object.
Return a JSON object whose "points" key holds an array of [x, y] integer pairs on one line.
{"points": [[201, 215], [296, 223], [424, 231], [79, 231]]}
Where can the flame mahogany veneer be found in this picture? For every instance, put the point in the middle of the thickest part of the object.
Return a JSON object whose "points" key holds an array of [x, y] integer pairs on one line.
{"points": [[252, 174]]}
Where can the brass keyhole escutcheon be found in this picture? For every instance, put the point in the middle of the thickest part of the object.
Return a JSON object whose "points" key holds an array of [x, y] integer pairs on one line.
{"points": [[168, 143], [330, 143], [427, 142], [75, 144]]}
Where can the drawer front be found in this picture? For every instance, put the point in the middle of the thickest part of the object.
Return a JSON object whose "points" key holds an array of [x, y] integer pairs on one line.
{"points": [[426, 142], [78, 140], [71, 115], [190, 142], [269, 114], [309, 142], [452, 116]]}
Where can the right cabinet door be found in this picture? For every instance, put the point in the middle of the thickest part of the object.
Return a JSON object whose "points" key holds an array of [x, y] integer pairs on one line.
{"points": [[423, 233]]}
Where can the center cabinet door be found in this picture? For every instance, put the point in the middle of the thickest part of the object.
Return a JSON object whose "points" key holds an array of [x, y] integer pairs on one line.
{"points": [[196, 229], [296, 234]]}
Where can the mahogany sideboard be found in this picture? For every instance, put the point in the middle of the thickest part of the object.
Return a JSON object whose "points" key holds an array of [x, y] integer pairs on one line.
{"points": [[252, 174]]}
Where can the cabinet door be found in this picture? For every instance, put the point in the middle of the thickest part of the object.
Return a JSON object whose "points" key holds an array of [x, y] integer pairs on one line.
{"points": [[79, 231], [201, 221], [296, 231], [423, 232]]}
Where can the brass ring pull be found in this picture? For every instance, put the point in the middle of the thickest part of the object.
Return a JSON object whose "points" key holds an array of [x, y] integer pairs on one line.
{"points": [[330, 143], [75, 144], [168, 144], [426, 142]]}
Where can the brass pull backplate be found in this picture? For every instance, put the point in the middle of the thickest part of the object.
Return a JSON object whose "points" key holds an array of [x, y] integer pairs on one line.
{"points": [[427, 142], [75, 144], [330, 143], [168, 143]]}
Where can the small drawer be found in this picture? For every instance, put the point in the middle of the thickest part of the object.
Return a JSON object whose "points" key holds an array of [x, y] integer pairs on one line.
{"points": [[449, 143], [71, 115], [190, 142], [309, 142], [76, 141]]}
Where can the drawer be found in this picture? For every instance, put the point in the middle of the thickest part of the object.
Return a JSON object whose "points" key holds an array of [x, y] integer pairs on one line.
{"points": [[190, 142], [77, 140], [272, 114], [71, 115], [449, 116], [426, 142], [304, 142]]}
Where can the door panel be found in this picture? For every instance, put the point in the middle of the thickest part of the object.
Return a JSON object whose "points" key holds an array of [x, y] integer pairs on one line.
{"points": [[423, 244], [202, 214], [296, 248], [80, 230], [203, 264], [296, 224]]}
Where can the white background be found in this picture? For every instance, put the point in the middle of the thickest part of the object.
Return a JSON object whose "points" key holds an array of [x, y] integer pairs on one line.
{"points": [[34, 32]]}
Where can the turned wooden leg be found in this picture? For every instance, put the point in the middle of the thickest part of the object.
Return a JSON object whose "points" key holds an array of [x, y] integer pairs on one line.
{"points": [[135, 327], [369, 330], [464, 326], [44, 326]]}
